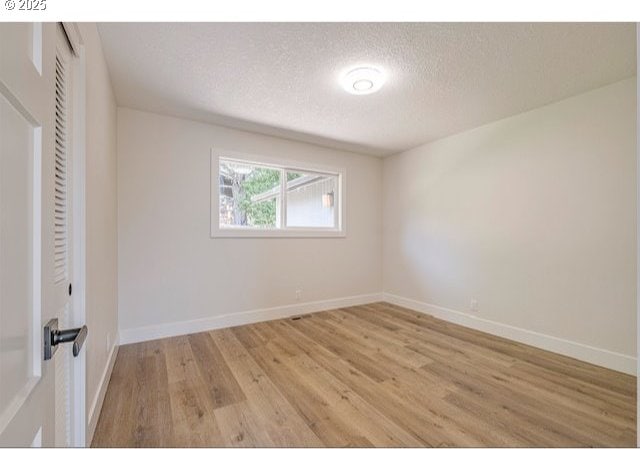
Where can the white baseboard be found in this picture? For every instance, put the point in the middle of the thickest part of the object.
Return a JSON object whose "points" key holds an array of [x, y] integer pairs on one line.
{"points": [[98, 399], [154, 332], [597, 356]]}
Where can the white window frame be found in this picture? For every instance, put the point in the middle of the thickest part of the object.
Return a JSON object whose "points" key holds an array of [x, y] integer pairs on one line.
{"points": [[284, 232]]}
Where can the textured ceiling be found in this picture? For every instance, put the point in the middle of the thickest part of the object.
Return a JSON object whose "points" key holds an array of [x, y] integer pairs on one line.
{"points": [[281, 78]]}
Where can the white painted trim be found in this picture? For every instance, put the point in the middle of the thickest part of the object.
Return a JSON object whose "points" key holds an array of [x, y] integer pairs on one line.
{"points": [[98, 400], [139, 334], [73, 35], [78, 402], [637, 235], [597, 356], [253, 233]]}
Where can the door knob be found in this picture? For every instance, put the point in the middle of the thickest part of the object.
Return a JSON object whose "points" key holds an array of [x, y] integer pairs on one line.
{"points": [[53, 337]]}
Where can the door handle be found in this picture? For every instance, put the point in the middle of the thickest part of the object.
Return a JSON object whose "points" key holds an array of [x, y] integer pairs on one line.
{"points": [[53, 337]]}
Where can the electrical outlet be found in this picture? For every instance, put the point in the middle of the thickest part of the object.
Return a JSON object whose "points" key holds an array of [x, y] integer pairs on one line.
{"points": [[473, 305], [298, 294]]}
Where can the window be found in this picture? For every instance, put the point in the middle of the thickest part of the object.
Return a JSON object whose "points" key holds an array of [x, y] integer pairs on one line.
{"points": [[255, 197]]}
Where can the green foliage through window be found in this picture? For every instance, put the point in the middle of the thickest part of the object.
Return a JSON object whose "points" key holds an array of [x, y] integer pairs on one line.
{"points": [[261, 213]]}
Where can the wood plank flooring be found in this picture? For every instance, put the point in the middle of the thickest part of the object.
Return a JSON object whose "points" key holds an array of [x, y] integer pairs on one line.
{"points": [[373, 375]]}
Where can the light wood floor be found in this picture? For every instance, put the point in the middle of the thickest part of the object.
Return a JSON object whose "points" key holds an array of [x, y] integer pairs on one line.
{"points": [[374, 375]]}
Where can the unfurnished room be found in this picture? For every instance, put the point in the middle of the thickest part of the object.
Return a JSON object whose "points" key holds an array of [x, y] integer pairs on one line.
{"points": [[317, 233]]}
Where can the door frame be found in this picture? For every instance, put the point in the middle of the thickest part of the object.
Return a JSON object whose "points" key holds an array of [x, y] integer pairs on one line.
{"points": [[78, 404]]}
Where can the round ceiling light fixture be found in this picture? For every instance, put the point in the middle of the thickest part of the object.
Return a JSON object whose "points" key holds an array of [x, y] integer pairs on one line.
{"points": [[362, 80]]}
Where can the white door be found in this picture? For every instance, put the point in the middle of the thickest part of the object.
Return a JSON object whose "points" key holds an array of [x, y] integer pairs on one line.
{"points": [[36, 232]]}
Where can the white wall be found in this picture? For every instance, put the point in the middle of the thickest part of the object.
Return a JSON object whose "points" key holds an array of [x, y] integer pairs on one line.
{"points": [[533, 216], [101, 218], [170, 270]]}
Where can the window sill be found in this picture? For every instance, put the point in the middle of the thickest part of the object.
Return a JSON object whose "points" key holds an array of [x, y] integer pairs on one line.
{"points": [[277, 233]]}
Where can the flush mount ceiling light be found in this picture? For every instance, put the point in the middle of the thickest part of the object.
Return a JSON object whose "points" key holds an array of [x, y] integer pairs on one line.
{"points": [[362, 80]]}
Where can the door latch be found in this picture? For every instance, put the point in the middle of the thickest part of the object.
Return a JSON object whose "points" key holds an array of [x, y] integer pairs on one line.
{"points": [[53, 337]]}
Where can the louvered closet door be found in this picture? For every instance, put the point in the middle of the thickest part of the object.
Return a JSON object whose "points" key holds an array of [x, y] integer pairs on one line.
{"points": [[61, 167], [63, 229]]}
